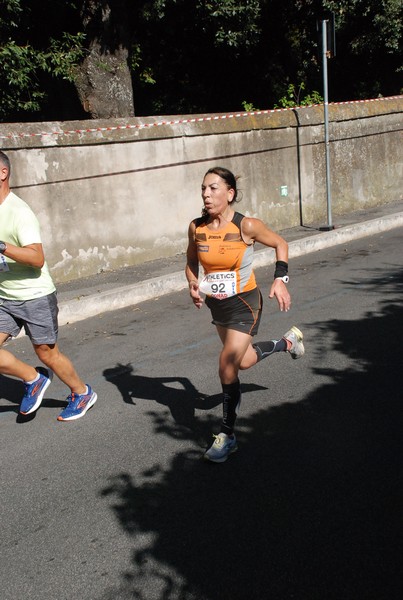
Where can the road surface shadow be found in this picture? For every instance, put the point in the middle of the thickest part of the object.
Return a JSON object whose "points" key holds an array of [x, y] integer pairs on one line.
{"points": [[308, 509], [178, 394]]}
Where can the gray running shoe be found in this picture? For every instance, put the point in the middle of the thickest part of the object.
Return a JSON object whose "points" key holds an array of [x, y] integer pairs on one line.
{"points": [[222, 447], [295, 336]]}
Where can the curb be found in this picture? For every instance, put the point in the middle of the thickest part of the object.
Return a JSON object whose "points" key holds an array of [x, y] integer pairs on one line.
{"points": [[84, 307]]}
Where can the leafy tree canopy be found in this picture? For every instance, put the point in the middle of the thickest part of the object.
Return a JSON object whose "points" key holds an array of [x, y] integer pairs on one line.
{"points": [[189, 56]]}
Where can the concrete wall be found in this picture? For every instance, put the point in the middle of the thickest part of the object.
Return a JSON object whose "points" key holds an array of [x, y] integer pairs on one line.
{"points": [[115, 193]]}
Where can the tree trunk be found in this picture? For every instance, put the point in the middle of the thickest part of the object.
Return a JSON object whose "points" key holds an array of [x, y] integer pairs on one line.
{"points": [[103, 80]]}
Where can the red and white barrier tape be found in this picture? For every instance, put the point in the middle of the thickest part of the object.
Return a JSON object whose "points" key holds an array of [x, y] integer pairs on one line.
{"points": [[182, 121]]}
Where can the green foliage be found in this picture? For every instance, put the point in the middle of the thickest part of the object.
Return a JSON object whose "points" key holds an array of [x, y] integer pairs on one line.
{"points": [[248, 107], [193, 56], [372, 24], [64, 55], [154, 9], [12, 10], [20, 65], [236, 23], [293, 97], [24, 63], [135, 61]]}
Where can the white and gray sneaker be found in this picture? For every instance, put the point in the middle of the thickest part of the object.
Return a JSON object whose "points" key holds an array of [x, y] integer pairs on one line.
{"points": [[221, 448], [295, 336]]}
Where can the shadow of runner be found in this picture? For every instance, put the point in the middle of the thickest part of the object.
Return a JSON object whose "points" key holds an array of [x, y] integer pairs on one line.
{"points": [[309, 509], [176, 393]]}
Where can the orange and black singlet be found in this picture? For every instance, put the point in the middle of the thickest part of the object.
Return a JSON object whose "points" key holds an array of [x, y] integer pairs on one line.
{"points": [[225, 258]]}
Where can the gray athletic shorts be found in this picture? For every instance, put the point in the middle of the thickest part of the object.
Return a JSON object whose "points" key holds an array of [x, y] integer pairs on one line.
{"points": [[38, 317]]}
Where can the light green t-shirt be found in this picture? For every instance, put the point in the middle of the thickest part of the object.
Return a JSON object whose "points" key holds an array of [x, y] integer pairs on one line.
{"points": [[19, 226]]}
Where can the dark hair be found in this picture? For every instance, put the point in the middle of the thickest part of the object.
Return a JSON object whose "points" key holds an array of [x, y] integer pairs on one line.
{"points": [[228, 177], [5, 161]]}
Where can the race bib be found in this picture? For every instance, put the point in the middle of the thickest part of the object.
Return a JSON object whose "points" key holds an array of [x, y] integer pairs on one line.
{"points": [[219, 285], [3, 264]]}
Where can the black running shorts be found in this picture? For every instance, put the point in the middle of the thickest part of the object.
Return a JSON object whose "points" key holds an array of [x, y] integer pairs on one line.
{"points": [[241, 312]]}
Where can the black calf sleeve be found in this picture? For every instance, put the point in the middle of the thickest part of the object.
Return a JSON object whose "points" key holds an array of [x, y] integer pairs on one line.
{"points": [[231, 404], [264, 349]]}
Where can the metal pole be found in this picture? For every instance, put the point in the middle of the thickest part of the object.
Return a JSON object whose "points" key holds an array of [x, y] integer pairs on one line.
{"points": [[326, 117]]}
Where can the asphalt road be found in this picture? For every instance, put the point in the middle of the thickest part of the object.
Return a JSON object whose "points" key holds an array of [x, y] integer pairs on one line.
{"points": [[119, 505]]}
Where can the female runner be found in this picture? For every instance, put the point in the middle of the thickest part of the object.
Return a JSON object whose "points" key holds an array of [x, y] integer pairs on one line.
{"points": [[222, 242]]}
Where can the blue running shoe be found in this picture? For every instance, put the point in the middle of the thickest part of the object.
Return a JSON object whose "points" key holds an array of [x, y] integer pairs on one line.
{"points": [[77, 405], [222, 447], [34, 391]]}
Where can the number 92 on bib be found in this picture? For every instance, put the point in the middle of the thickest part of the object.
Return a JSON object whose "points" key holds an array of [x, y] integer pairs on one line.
{"points": [[220, 285]]}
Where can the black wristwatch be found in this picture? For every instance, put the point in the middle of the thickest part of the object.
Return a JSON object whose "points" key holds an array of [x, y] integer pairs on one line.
{"points": [[3, 247]]}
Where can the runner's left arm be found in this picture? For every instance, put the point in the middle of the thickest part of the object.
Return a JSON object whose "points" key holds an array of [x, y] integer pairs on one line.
{"points": [[255, 230], [31, 255]]}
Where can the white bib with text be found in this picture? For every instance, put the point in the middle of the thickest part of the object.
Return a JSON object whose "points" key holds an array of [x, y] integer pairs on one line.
{"points": [[220, 285]]}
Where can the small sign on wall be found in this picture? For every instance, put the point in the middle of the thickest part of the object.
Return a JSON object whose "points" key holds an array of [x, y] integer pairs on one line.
{"points": [[283, 191]]}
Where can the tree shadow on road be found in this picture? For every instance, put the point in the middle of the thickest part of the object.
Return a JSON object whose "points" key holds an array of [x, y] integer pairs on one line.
{"points": [[309, 508]]}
